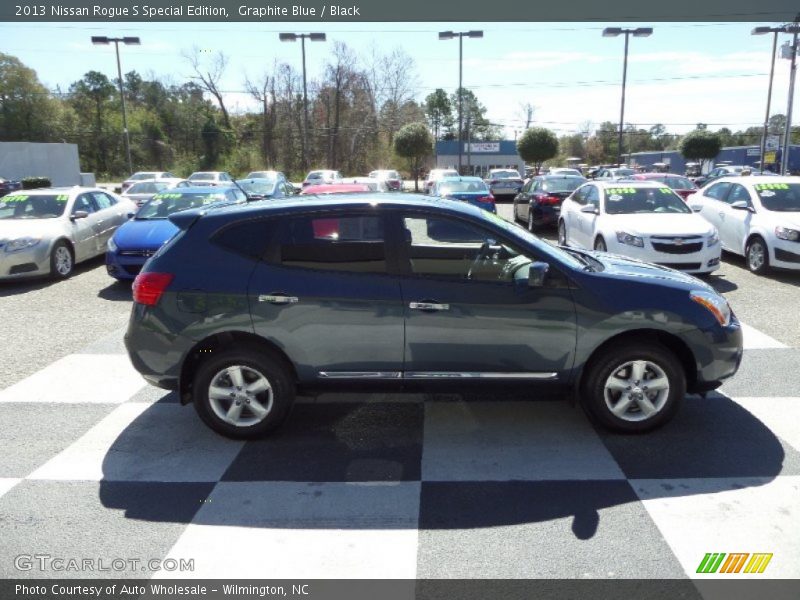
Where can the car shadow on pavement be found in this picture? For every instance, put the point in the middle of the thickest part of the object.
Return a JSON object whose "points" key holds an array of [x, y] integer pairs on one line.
{"points": [[117, 291], [13, 287], [332, 460], [782, 275], [720, 284]]}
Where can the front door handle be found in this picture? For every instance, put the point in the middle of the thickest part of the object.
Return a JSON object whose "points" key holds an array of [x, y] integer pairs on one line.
{"points": [[428, 306], [278, 299]]}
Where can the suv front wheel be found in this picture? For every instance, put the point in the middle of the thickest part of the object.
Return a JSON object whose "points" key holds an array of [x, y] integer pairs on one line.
{"points": [[634, 387], [243, 394]]}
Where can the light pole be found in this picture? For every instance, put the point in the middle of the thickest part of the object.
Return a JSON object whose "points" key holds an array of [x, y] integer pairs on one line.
{"points": [[614, 32], [787, 134], [314, 37], [449, 35], [101, 40], [774, 31]]}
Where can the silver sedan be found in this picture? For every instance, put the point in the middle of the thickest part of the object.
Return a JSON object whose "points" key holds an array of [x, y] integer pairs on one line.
{"points": [[48, 231]]}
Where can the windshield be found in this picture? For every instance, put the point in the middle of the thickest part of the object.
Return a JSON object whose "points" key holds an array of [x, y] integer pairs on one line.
{"points": [[148, 187], [628, 200], [623, 172], [202, 177], [40, 206], [260, 187], [140, 176], [164, 204], [562, 184], [457, 187], [679, 183], [778, 197], [261, 175], [505, 175]]}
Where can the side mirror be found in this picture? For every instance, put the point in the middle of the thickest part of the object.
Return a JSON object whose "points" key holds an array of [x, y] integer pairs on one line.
{"points": [[742, 205], [537, 273], [589, 208], [696, 208], [79, 214], [131, 215]]}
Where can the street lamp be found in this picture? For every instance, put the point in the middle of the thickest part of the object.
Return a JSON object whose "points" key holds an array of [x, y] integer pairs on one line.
{"points": [[449, 35], [794, 29], [614, 32], [762, 31], [314, 37], [101, 40]]}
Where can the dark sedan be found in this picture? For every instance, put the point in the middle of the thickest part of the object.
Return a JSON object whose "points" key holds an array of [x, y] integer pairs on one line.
{"points": [[539, 202], [248, 304]]}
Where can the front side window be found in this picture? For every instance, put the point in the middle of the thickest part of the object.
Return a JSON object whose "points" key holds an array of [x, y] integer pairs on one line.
{"points": [[452, 249], [84, 203], [101, 200], [334, 243], [739, 193], [718, 191]]}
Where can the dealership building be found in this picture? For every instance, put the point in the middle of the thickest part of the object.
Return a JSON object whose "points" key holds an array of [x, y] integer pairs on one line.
{"points": [[478, 157], [733, 155]]}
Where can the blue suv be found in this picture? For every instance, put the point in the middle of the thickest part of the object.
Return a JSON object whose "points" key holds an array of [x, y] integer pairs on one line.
{"points": [[246, 304]]}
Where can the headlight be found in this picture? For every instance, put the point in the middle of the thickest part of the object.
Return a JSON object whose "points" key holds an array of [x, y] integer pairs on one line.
{"points": [[784, 233], [21, 244], [713, 239], [715, 304], [629, 239], [112, 247]]}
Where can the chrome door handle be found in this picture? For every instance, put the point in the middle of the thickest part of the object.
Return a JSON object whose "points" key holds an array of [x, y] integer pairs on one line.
{"points": [[278, 299], [428, 306]]}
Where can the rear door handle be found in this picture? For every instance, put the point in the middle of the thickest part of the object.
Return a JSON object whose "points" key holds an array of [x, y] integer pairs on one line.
{"points": [[428, 306], [278, 299]]}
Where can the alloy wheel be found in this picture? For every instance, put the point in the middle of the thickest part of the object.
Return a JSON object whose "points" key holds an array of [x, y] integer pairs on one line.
{"points": [[240, 396], [636, 390]]}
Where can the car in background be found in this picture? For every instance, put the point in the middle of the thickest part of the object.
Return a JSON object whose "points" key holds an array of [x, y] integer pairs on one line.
{"points": [[435, 175], [758, 218], [141, 237], [613, 173], [322, 177], [212, 178], [472, 190], [48, 231], [265, 189], [146, 176], [539, 201], [392, 178], [7, 186], [722, 171], [374, 185], [683, 186], [640, 220], [141, 191], [564, 171], [274, 175], [335, 188], [248, 304], [504, 182]]}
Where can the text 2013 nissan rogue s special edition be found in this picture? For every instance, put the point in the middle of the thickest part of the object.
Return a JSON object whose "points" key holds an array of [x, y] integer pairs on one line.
{"points": [[246, 303]]}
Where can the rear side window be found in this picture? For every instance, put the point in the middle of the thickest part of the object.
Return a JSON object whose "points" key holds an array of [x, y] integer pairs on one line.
{"points": [[334, 243], [249, 238]]}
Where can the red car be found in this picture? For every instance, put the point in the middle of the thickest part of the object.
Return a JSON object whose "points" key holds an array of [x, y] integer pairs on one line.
{"points": [[683, 186], [392, 178]]}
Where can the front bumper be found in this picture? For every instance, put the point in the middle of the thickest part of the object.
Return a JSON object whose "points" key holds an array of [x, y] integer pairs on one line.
{"points": [[705, 260], [784, 254], [31, 262], [126, 264], [718, 353]]}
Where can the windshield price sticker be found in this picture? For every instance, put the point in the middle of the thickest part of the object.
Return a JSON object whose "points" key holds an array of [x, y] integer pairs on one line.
{"points": [[62, 198], [665, 190], [15, 198], [167, 196], [615, 197], [771, 186], [625, 190]]}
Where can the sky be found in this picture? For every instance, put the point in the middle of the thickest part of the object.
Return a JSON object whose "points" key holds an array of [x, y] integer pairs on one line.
{"points": [[685, 73]]}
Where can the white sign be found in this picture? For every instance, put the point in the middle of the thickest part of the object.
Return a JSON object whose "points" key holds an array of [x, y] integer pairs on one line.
{"points": [[772, 143], [753, 151], [482, 147]]}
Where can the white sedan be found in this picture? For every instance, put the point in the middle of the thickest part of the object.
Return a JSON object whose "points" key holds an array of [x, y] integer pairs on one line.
{"points": [[641, 220], [757, 217]]}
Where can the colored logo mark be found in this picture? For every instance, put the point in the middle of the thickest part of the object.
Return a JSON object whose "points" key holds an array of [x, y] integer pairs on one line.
{"points": [[736, 562]]}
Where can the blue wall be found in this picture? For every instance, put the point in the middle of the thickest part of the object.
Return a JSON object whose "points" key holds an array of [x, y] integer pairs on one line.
{"points": [[735, 155]]}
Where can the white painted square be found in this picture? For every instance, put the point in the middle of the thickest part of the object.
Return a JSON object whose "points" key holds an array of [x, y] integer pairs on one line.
{"points": [[753, 339], [751, 515], [283, 530], [79, 378], [781, 415], [143, 442], [502, 441]]}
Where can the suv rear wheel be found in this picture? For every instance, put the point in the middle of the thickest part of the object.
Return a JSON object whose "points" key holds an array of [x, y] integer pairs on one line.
{"points": [[243, 394], [634, 387]]}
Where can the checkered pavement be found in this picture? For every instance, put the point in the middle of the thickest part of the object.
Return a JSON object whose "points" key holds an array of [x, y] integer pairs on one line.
{"points": [[97, 464]]}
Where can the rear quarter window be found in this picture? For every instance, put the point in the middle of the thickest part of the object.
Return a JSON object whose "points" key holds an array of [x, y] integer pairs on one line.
{"points": [[248, 238]]}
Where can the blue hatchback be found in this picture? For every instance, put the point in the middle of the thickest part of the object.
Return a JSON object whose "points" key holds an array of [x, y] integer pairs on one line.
{"points": [[138, 239]]}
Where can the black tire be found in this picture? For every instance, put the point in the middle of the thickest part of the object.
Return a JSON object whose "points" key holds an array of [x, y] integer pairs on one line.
{"points": [[600, 245], [756, 247], [531, 222], [562, 233], [516, 214], [62, 260], [615, 360], [271, 367]]}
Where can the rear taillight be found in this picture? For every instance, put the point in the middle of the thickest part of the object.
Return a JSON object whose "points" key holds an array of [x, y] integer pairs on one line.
{"points": [[550, 200], [148, 287], [488, 198], [493, 181]]}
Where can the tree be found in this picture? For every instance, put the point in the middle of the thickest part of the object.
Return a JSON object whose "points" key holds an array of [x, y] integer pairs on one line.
{"points": [[208, 77], [26, 109], [438, 112], [413, 142], [537, 145], [700, 144]]}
